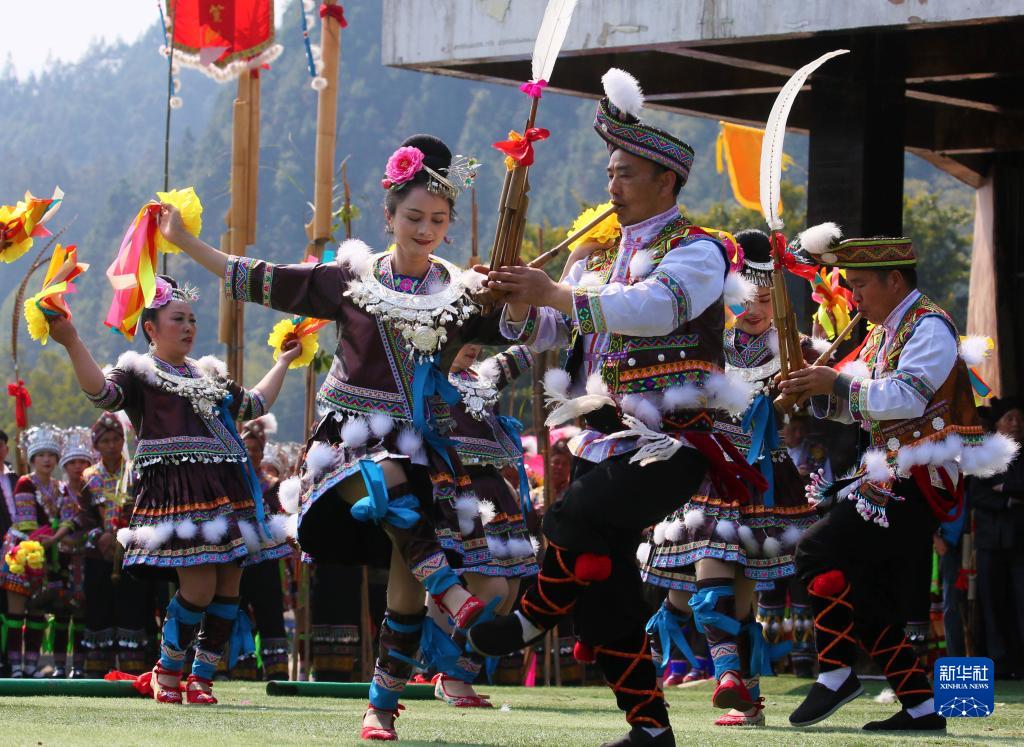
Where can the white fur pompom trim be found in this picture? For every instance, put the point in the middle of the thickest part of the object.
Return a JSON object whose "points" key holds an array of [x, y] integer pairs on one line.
{"points": [[876, 466], [772, 547], [279, 527], [409, 442], [726, 530], [355, 433], [498, 547], [288, 494], [535, 543], [820, 345], [819, 239], [141, 365], [321, 456], [467, 508], [556, 383], [487, 512], [791, 536], [146, 536], [641, 264], [990, 458], [250, 535], [748, 540], [974, 349], [675, 531], [738, 290], [643, 409], [682, 397], [643, 552], [590, 279], [489, 370], [472, 280], [693, 519], [269, 423], [596, 385], [291, 527], [357, 255], [659, 532], [213, 531], [186, 529], [520, 548], [623, 90], [729, 392], [211, 365], [125, 536], [857, 369]]}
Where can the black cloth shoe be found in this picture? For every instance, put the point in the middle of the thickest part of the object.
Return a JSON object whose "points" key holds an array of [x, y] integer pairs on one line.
{"points": [[500, 636], [903, 721], [821, 702], [638, 736]]}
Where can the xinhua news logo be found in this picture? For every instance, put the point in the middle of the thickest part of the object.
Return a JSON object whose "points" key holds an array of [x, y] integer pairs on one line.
{"points": [[964, 687]]}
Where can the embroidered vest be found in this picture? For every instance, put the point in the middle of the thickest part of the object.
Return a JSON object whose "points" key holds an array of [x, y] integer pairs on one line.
{"points": [[689, 354], [950, 409]]}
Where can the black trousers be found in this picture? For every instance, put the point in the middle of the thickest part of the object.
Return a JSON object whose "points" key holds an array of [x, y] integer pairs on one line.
{"points": [[129, 604], [603, 511], [261, 589], [888, 568]]}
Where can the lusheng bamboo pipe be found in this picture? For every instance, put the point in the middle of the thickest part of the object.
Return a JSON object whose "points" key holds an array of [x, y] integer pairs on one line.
{"points": [[785, 402], [553, 252]]}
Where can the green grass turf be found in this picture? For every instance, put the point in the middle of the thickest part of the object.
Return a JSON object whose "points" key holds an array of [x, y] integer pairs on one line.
{"points": [[558, 717]]}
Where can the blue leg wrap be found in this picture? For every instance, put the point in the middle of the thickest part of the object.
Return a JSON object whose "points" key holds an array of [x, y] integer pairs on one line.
{"points": [[667, 626], [402, 511], [172, 649], [721, 629]]}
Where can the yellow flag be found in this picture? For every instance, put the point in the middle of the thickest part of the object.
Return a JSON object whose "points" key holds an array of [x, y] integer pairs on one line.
{"points": [[738, 148]]}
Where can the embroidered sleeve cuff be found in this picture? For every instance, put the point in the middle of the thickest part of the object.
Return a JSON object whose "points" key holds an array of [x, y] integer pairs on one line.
{"points": [[681, 312], [523, 331], [589, 317], [859, 399], [253, 405], [109, 398], [240, 276]]}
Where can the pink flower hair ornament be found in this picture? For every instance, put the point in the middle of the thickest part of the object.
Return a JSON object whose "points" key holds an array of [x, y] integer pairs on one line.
{"points": [[403, 165], [164, 293]]}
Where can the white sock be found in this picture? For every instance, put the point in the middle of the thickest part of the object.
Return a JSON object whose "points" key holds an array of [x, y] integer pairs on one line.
{"points": [[530, 631], [655, 731], [922, 709], [834, 678]]}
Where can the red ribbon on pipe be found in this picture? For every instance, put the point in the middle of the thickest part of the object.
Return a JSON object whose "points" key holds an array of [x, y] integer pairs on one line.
{"points": [[22, 401], [334, 11], [521, 151]]}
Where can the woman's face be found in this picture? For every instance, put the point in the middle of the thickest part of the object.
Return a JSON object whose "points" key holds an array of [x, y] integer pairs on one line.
{"points": [[1011, 423], [44, 463], [75, 468], [757, 316], [174, 330], [420, 222]]}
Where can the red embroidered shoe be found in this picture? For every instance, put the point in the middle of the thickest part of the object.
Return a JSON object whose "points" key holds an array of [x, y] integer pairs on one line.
{"points": [[732, 693], [379, 733], [458, 701], [753, 717], [199, 690], [165, 685]]}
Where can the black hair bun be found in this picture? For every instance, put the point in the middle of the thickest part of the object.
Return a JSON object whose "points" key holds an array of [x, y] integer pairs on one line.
{"points": [[756, 245], [170, 281], [436, 154]]}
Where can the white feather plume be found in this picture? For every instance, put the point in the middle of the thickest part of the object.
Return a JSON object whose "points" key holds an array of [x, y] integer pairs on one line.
{"points": [[487, 512], [974, 349], [472, 279], [819, 239], [288, 494], [551, 37], [357, 255], [738, 290], [623, 90], [556, 384], [596, 385], [489, 370], [820, 345]]}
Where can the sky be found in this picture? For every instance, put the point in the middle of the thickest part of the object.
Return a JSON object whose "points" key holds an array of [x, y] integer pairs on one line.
{"points": [[35, 30]]}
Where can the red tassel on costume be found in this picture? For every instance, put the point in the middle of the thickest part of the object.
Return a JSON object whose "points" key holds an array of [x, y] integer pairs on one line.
{"points": [[334, 11], [584, 653], [593, 567], [828, 584], [22, 401], [963, 579]]}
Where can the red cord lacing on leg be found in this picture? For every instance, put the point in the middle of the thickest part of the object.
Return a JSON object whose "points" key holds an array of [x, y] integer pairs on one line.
{"points": [[649, 696], [900, 647], [825, 590]]}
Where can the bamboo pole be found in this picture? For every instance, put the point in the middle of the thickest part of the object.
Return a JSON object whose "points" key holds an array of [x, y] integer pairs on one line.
{"points": [[326, 126], [553, 252], [474, 246], [786, 402]]}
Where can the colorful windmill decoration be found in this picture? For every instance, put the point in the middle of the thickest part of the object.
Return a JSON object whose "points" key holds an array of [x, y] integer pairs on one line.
{"points": [[20, 224], [49, 303]]}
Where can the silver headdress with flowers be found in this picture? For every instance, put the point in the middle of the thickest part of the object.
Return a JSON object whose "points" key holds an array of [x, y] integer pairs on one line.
{"points": [[77, 445], [42, 438]]}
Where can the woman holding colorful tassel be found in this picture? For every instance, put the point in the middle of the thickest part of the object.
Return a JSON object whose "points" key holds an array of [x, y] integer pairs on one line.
{"points": [[380, 463], [198, 511]]}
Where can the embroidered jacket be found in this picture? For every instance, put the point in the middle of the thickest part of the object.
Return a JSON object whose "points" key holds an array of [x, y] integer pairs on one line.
{"points": [[648, 317], [175, 411], [384, 328]]}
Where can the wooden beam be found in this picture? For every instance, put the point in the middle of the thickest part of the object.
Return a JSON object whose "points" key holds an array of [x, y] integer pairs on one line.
{"points": [[952, 166], [720, 58], [938, 98]]}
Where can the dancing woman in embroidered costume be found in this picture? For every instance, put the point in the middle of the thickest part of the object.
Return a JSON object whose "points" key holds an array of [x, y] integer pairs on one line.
{"points": [[198, 511], [379, 464], [712, 551], [486, 444]]}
